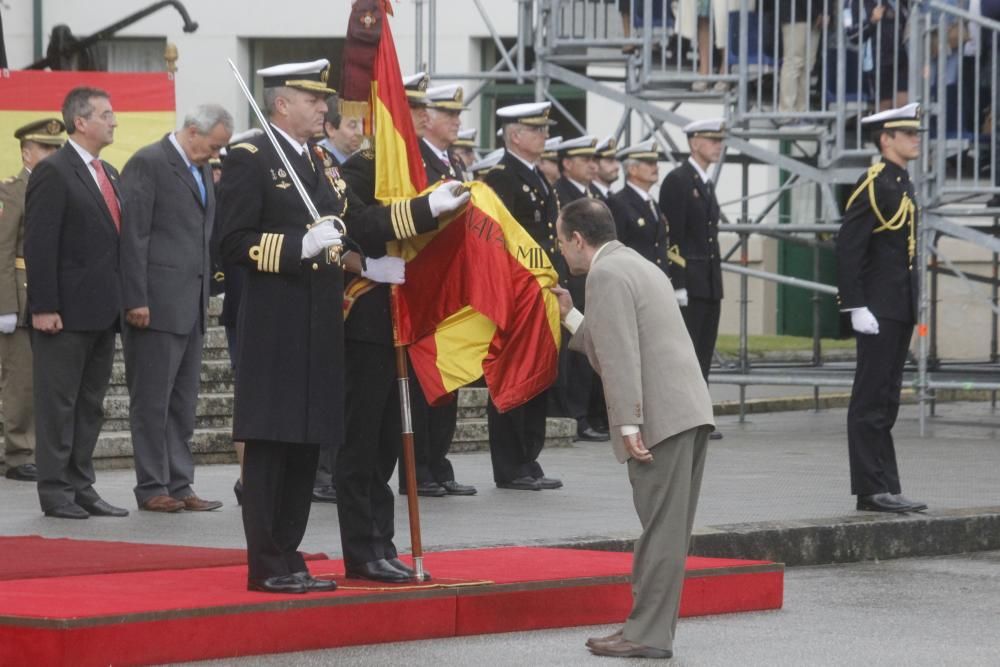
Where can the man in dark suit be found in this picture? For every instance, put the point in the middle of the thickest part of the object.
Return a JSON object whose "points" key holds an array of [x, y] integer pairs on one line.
{"points": [[878, 284], [38, 139], [687, 196], [169, 212], [518, 435], [72, 220], [659, 409], [572, 391]]}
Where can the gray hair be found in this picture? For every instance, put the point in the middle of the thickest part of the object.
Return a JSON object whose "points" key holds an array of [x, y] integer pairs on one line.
{"points": [[630, 162], [77, 105], [205, 117], [271, 96]]}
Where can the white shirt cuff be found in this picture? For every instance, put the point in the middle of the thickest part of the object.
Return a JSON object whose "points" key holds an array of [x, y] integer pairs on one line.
{"points": [[629, 429], [574, 319]]}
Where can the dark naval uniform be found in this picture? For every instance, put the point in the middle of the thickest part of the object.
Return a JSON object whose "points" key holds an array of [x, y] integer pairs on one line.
{"points": [[693, 214], [518, 435], [436, 169], [290, 384], [876, 248], [373, 438], [641, 226]]}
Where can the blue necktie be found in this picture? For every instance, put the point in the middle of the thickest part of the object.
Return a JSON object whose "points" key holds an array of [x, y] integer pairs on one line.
{"points": [[196, 172]]}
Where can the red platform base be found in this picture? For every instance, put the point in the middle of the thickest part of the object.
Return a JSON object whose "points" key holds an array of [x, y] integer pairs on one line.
{"points": [[131, 618]]}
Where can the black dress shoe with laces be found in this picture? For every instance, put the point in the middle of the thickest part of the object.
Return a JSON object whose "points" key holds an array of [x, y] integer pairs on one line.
{"points": [[914, 505], [881, 502], [377, 570], [68, 511], [521, 484], [26, 472], [288, 583], [409, 571], [453, 488], [314, 585], [101, 507], [326, 493], [549, 482]]}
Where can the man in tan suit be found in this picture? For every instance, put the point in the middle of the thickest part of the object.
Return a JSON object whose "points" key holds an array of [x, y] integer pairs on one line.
{"points": [[39, 139], [659, 411]]}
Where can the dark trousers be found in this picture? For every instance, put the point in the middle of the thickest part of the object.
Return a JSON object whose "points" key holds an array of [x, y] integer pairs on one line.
{"points": [[277, 495], [433, 430], [516, 439], [701, 317], [162, 370], [878, 381], [72, 370], [325, 475], [372, 442]]}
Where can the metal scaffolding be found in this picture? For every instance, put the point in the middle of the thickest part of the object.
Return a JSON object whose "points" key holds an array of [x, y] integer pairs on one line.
{"points": [[655, 59]]}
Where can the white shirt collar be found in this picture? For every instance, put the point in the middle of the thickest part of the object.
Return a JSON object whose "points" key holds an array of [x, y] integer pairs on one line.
{"points": [[301, 149], [579, 186], [604, 190], [705, 178], [527, 164], [442, 155], [642, 193], [83, 153], [180, 149]]}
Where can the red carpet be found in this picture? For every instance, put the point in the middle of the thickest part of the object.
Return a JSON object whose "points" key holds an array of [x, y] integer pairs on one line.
{"points": [[31, 556], [177, 615]]}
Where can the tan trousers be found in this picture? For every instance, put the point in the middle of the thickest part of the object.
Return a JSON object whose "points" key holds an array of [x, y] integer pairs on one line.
{"points": [[16, 395], [800, 42], [665, 493]]}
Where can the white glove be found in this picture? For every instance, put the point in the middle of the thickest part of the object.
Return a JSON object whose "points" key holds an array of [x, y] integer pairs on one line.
{"points": [[446, 198], [386, 269], [318, 238], [682, 297], [8, 322], [863, 321]]}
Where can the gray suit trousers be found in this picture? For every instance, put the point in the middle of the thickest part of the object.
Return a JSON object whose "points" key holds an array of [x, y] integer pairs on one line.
{"points": [[163, 373], [665, 493], [72, 371]]}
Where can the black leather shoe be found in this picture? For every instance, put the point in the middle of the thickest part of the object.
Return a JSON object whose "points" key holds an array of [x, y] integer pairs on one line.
{"points": [[602, 429], [314, 585], [377, 570], [238, 492], [881, 502], [427, 489], [590, 435], [521, 484], [453, 488], [549, 482], [26, 472], [68, 511], [715, 435], [914, 505], [409, 571], [287, 583], [100, 507], [325, 494]]}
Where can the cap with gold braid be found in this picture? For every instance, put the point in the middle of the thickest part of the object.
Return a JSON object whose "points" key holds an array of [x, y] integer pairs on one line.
{"points": [[551, 148], [581, 146], [712, 128], [487, 163], [48, 131], [446, 98], [645, 151], [607, 148], [310, 77], [466, 138], [531, 113], [416, 88], [903, 118]]}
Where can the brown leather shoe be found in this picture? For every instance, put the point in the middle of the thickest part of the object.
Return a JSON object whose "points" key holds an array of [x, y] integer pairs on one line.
{"points": [[162, 504], [615, 636], [623, 648], [193, 503]]}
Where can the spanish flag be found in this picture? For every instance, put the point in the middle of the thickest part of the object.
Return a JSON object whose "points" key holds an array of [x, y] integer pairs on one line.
{"points": [[143, 104], [476, 298]]}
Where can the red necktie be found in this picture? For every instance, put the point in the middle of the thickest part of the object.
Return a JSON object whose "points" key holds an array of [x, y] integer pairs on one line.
{"points": [[104, 183]]}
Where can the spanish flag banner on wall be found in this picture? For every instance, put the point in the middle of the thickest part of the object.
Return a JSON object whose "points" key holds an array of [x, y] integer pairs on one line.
{"points": [[143, 103], [476, 301]]}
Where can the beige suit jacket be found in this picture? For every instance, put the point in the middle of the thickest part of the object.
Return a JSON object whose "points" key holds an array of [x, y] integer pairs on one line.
{"points": [[635, 339]]}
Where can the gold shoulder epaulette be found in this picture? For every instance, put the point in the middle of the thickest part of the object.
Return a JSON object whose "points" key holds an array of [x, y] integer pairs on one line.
{"points": [[497, 167], [368, 154], [873, 172], [248, 146]]}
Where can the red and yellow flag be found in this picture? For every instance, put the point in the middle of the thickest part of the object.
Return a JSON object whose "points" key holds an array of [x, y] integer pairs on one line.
{"points": [[143, 103]]}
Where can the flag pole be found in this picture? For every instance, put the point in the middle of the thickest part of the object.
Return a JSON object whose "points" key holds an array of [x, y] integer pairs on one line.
{"points": [[409, 457]]}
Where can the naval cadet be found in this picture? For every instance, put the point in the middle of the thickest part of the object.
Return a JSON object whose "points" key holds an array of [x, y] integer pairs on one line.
{"points": [[687, 196], [877, 282], [518, 435], [38, 139], [608, 169], [289, 388], [639, 220], [548, 161]]}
